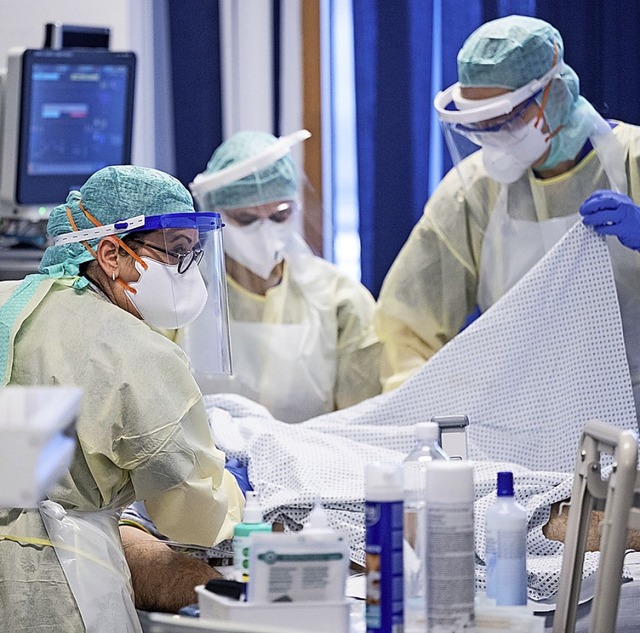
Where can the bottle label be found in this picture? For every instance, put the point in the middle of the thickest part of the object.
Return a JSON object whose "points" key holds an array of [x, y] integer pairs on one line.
{"points": [[450, 568], [383, 561]]}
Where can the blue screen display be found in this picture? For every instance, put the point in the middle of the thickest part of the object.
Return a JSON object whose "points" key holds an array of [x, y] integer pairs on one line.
{"points": [[77, 119]]}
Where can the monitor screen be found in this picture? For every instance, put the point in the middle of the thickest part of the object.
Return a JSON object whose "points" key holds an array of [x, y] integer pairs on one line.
{"points": [[76, 116]]}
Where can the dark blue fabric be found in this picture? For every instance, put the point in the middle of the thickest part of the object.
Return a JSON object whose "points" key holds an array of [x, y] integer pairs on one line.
{"points": [[393, 77], [195, 67]]}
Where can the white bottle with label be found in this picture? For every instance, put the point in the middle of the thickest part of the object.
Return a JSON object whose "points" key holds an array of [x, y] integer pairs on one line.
{"points": [[450, 568], [427, 449], [506, 546]]}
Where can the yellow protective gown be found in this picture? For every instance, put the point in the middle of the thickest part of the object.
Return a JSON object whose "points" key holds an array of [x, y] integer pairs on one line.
{"points": [[306, 348], [433, 284], [142, 433]]}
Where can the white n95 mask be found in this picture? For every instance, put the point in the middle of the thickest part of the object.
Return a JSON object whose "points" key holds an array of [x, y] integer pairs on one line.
{"points": [[507, 156], [259, 246], [166, 298]]}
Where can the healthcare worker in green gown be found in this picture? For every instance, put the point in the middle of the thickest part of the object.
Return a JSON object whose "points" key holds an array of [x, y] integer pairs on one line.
{"points": [[129, 253], [302, 334], [528, 151]]}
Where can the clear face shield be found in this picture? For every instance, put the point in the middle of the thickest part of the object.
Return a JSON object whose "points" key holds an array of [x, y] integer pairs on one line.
{"points": [[189, 266], [261, 207], [512, 139]]}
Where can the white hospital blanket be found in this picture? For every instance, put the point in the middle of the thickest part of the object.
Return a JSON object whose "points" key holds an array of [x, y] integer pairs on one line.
{"points": [[529, 373]]}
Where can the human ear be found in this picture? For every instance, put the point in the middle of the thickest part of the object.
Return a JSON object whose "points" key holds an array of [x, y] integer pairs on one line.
{"points": [[107, 255]]}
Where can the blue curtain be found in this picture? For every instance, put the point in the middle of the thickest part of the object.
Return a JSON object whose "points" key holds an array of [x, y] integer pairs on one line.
{"points": [[195, 67], [394, 79], [406, 50]]}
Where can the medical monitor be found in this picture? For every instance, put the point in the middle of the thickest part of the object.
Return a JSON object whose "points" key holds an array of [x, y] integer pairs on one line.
{"points": [[67, 113]]}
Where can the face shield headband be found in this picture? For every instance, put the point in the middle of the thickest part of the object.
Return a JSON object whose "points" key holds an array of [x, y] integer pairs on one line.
{"points": [[475, 111]]}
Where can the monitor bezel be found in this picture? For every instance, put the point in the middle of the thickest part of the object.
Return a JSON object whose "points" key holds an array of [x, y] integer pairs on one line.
{"points": [[48, 189]]}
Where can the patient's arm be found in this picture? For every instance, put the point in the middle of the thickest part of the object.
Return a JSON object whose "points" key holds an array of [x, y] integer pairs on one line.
{"points": [[556, 527], [163, 580]]}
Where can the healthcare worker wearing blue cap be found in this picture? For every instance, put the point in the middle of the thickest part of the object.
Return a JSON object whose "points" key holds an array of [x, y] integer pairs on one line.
{"points": [[302, 335], [528, 151], [129, 253]]}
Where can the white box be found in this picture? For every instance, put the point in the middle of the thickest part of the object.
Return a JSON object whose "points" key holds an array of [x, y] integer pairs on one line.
{"points": [[301, 617]]}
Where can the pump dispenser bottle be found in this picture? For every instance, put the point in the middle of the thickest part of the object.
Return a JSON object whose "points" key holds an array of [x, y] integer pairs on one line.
{"points": [[251, 522], [506, 546]]}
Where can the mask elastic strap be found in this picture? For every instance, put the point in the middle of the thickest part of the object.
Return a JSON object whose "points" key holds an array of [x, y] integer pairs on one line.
{"points": [[545, 94]]}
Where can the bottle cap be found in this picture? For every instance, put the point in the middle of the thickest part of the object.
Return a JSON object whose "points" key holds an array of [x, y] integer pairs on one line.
{"points": [[427, 431], [317, 517], [252, 510], [449, 482], [384, 481], [505, 484]]}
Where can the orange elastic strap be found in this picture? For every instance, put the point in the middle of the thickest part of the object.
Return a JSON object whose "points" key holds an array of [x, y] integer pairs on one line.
{"points": [[545, 93]]}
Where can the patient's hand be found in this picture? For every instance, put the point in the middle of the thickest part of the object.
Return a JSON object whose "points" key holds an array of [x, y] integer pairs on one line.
{"points": [[163, 580], [556, 528]]}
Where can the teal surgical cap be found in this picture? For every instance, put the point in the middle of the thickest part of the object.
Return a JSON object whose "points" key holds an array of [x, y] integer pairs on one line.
{"points": [[278, 181], [512, 51], [111, 194]]}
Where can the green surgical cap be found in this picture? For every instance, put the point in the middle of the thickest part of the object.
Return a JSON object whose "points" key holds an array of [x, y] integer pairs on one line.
{"points": [[278, 181], [111, 194], [508, 53], [512, 51]]}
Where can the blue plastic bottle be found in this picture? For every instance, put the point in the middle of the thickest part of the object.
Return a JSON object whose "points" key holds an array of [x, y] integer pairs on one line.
{"points": [[506, 546], [383, 548]]}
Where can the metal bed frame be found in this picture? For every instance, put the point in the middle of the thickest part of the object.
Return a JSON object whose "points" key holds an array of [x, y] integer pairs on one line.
{"points": [[620, 494]]}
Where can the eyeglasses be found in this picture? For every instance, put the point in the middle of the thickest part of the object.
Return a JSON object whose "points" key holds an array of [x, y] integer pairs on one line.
{"points": [[184, 260]]}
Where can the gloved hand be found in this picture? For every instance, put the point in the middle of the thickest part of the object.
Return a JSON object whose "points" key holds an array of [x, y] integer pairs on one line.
{"points": [[470, 318], [240, 473], [611, 213]]}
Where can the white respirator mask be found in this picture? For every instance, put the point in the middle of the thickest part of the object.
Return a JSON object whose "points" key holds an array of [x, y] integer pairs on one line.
{"points": [[166, 298], [507, 157], [260, 246]]}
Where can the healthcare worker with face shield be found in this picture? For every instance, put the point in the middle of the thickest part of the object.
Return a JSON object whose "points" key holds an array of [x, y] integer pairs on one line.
{"points": [[302, 334], [129, 252], [528, 151]]}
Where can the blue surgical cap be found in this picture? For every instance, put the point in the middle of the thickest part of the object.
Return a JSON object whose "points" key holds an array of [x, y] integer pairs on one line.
{"points": [[278, 181], [111, 194], [512, 51]]}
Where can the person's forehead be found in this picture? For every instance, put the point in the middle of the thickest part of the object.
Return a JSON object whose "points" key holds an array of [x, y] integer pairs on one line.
{"points": [[170, 236], [481, 92]]}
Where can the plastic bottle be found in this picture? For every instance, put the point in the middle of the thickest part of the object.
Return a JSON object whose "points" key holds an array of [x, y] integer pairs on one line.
{"points": [[383, 509], [506, 546], [251, 522], [450, 564], [427, 449]]}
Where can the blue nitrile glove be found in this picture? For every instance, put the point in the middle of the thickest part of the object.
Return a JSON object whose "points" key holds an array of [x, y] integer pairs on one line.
{"points": [[611, 213], [471, 318], [240, 473]]}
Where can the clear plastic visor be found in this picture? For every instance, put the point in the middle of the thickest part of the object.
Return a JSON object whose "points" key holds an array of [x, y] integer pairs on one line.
{"points": [[191, 248]]}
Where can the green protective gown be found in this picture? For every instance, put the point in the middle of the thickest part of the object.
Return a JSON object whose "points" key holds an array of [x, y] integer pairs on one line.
{"points": [[142, 433], [433, 284]]}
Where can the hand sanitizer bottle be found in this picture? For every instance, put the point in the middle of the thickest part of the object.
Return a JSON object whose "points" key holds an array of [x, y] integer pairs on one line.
{"points": [[251, 522]]}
